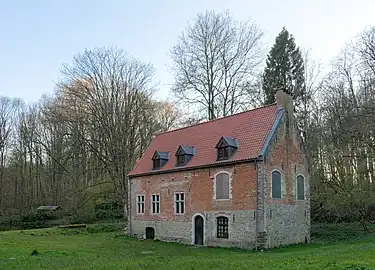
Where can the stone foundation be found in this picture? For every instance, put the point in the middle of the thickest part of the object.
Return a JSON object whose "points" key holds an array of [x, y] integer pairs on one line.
{"points": [[287, 224], [241, 229]]}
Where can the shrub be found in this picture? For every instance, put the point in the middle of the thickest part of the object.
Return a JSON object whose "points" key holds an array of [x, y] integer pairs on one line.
{"points": [[108, 210]]}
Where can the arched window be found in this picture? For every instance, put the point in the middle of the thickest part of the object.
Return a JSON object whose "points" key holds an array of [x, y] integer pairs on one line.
{"points": [[300, 187], [276, 185], [222, 186], [222, 227]]}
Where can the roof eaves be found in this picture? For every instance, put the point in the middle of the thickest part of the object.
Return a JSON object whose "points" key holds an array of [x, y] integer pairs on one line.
{"points": [[177, 169]]}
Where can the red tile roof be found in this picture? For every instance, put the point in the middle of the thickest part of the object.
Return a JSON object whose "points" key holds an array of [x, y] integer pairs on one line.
{"points": [[250, 128]]}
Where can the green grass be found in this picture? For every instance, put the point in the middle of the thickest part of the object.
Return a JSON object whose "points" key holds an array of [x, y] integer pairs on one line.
{"points": [[94, 249]]}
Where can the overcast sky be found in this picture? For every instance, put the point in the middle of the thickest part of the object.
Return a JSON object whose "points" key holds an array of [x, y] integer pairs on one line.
{"points": [[38, 36]]}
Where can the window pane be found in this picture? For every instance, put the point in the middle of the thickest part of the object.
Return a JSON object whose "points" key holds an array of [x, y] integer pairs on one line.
{"points": [[276, 185], [177, 208], [222, 186], [222, 227], [181, 160], [156, 163], [182, 196], [182, 207], [300, 188]]}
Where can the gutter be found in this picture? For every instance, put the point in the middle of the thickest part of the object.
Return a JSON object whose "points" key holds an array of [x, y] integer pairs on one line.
{"points": [[256, 208], [129, 205]]}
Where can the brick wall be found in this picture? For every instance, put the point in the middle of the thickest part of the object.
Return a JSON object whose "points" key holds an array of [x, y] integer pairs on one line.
{"points": [[287, 220], [198, 186]]}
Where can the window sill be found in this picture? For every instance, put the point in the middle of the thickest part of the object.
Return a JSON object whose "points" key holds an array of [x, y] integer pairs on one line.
{"points": [[222, 239], [179, 214], [222, 199]]}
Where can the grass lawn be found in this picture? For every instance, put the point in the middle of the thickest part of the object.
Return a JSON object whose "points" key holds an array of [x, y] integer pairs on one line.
{"points": [[85, 249]]}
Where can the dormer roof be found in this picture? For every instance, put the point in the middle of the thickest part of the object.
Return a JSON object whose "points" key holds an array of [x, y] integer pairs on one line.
{"points": [[185, 150], [227, 141], [161, 155]]}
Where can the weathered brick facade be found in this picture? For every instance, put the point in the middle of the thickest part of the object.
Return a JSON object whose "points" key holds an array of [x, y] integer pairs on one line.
{"points": [[287, 220], [254, 218], [198, 186]]}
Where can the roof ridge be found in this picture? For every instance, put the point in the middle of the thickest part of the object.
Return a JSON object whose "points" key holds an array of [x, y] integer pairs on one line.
{"points": [[216, 119]]}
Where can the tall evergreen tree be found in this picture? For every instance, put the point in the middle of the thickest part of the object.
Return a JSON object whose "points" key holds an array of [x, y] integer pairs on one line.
{"points": [[284, 69]]}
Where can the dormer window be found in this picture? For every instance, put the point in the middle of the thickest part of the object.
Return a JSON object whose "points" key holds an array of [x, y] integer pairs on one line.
{"points": [[181, 160], [159, 159], [223, 152], [184, 154], [226, 147]]}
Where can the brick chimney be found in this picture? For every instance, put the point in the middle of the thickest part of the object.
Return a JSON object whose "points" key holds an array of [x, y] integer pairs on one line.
{"points": [[285, 101]]}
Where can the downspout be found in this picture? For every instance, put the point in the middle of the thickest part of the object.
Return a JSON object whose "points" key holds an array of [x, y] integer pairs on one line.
{"points": [[256, 207], [129, 202]]}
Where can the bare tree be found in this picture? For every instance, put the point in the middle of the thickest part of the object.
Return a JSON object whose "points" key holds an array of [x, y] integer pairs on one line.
{"points": [[214, 61], [8, 110], [341, 137], [109, 93]]}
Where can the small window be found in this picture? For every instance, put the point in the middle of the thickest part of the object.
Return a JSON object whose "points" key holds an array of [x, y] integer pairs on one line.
{"points": [[222, 227], [222, 153], [226, 147], [300, 187], [156, 164], [159, 159], [184, 154], [155, 204], [276, 185], [222, 186], [140, 204], [181, 160], [179, 200]]}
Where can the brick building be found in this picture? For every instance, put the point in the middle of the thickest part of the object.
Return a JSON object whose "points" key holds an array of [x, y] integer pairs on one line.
{"points": [[238, 181]]}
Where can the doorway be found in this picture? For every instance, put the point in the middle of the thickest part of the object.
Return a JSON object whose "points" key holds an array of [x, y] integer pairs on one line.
{"points": [[198, 230], [150, 233]]}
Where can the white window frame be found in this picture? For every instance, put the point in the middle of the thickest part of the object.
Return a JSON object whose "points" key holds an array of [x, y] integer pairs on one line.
{"points": [[281, 184], [141, 202], [230, 185], [175, 201], [304, 187], [152, 202]]}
